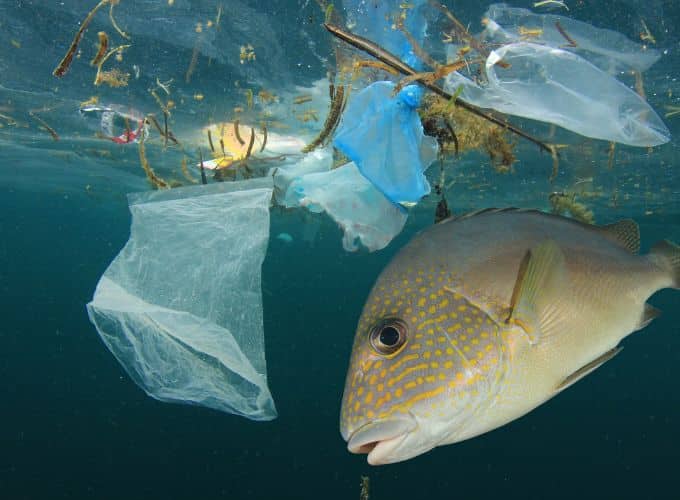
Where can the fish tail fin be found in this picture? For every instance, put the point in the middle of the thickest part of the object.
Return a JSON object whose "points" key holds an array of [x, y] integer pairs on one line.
{"points": [[667, 256]]}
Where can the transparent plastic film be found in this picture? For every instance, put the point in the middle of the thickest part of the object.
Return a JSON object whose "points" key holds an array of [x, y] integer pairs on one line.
{"points": [[609, 50], [180, 307], [557, 86]]}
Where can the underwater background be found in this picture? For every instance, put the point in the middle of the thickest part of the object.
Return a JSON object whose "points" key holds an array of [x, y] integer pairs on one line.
{"points": [[73, 425]]}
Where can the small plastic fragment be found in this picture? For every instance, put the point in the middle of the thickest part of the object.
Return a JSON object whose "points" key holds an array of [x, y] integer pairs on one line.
{"points": [[180, 307], [118, 123]]}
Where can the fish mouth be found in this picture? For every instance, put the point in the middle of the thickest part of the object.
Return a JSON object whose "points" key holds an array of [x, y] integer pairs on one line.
{"points": [[380, 438]]}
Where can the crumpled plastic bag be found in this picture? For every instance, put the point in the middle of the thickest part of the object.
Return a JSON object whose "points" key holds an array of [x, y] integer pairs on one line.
{"points": [[364, 214], [608, 50], [180, 307], [384, 137], [556, 86]]}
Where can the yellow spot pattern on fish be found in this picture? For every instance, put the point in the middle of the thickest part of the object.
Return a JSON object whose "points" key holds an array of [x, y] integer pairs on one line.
{"points": [[453, 347]]}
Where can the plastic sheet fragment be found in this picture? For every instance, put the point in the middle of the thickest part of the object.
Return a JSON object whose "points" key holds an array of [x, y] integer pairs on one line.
{"points": [[319, 160], [607, 49], [364, 214], [556, 86], [180, 307], [382, 134]]}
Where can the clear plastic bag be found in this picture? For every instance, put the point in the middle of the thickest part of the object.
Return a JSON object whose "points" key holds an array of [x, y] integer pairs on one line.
{"points": [[556, 86], [608, 50], [364, 214], [180, 307]]}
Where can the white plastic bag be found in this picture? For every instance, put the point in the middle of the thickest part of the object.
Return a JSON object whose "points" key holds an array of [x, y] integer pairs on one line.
{"points": [[180, 306]]}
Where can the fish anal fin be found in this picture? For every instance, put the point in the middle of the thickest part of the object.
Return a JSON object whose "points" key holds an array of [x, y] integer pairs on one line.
{"points": [[649, 314], [588, 368], [541, 273], [626, 233]]}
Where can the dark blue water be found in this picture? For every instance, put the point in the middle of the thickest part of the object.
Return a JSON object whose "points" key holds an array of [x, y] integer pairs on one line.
{"points": [[73, 425]]}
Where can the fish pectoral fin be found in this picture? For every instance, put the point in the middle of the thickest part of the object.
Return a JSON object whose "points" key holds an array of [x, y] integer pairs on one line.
{"points": [[588, 368], [625, 233], [540, 277]]}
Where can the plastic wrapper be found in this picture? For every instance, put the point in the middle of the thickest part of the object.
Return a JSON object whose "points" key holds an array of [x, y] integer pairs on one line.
{"points": [[180, 307], [556, 86], [384, 137], [607, 49], [118, 123], [363, 213]]}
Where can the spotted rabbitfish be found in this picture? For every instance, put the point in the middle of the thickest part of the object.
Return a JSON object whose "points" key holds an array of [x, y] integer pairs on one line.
{"points": [[481, 318]]}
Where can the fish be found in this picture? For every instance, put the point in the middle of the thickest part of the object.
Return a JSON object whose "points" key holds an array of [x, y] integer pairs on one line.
{"points": [[480, 319]]}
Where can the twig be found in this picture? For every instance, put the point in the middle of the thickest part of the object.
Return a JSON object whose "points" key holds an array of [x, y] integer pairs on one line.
{"points": [[264, 140], [65, 63], [393, 61], [114, 23], [236, 133], [337, 103], [103, 45], [42, 122], [203, 179]]}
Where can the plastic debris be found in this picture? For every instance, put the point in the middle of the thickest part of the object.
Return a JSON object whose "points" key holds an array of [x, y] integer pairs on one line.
{"points": [[556, 86], [383, 135], [180, 307], [364, 214], [285, 237], [319, 160], [118, 123], [379, 132], [609, 50]]}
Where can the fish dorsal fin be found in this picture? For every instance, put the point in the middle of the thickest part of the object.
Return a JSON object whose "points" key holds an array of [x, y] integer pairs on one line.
{"points": [[588, 368], [541, 274], [624, 232], [491, 211]]}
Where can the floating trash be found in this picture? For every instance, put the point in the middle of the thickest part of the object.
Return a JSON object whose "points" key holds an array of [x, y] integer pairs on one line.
{"points": [[363, 213], [383, 135], [608, 50], [181, 306], [118, 123], [557, 86]]}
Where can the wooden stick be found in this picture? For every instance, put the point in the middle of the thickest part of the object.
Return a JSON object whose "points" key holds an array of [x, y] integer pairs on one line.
{"points": [[393, 61]]}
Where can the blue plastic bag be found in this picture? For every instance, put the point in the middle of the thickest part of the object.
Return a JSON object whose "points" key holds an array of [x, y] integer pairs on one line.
{"points": [[383, 135]]}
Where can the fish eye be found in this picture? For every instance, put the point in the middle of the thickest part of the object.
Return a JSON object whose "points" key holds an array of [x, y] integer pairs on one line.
{"points": [[388, 336]]}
